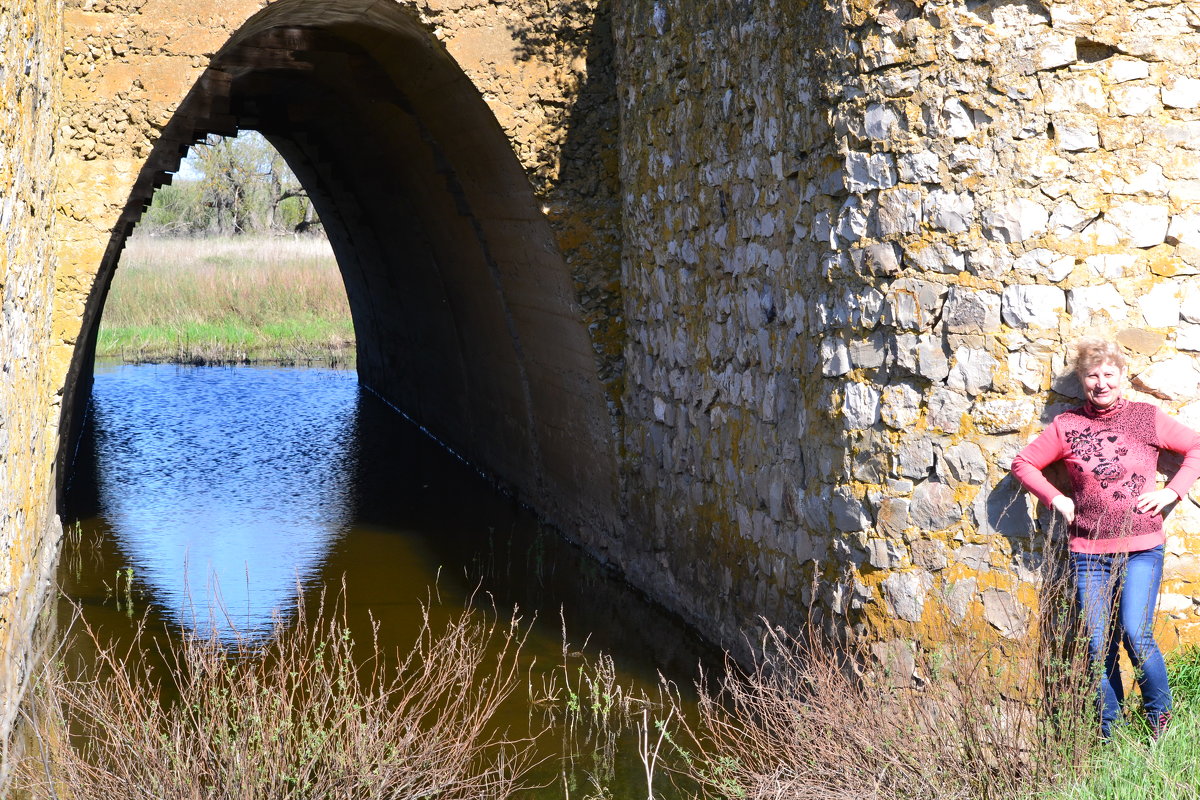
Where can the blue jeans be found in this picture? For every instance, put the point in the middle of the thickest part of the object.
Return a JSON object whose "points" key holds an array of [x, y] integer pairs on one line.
{"points": [[1126, 583]]}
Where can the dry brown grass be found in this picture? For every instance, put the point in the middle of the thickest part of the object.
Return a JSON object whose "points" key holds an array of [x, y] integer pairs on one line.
{"points": [[297, 717], [985, 717]]}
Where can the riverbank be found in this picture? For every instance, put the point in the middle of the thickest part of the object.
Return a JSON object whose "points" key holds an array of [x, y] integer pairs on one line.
{"points": [[244, 299]]}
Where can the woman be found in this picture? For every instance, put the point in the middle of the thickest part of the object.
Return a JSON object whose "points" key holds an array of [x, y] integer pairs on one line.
{"points": [[1110, 446]]}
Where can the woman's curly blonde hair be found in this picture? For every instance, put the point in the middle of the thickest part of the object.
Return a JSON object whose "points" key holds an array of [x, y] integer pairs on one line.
{"points": [[1093, 352]]}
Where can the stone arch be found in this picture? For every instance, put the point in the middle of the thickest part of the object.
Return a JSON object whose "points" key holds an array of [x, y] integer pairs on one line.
{"points": [[462, 304]]}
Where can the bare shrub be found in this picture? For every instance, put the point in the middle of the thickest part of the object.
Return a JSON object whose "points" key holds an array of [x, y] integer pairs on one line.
{"points": [[982, 716], [298, 716]]}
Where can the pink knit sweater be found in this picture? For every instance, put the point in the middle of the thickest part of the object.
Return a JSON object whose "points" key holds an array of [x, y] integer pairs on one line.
{"points": [[1111, 455]]}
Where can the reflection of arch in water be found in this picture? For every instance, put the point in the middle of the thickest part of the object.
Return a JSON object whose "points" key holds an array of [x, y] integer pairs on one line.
{"points": [[224, 488], [463, 309]]}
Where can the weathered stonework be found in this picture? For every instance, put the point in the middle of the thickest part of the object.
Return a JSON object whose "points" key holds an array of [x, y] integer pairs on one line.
{"points": [[805, 301], [858, 242], [31, 44]]}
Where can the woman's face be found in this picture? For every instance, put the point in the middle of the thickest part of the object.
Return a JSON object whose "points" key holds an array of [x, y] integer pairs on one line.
{"points": [[1102, 384]]}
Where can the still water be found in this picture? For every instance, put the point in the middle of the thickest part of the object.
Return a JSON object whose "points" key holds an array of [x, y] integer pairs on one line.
{"points": [[207, 495]]}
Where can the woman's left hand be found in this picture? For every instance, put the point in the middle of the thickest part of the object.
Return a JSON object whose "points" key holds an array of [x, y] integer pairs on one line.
{"points": [[1154, 502]]}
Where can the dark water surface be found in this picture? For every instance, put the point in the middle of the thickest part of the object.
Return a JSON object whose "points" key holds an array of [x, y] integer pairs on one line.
{"points": [[218, 490]]}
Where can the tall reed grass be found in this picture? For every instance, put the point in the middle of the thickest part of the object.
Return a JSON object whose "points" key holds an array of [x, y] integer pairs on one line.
{"points": [[298, 717], [224, 300], [983, 717]]}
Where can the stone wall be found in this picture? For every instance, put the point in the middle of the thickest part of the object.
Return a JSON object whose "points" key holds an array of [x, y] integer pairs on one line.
{"points": [[859, 239], [31, 42]]}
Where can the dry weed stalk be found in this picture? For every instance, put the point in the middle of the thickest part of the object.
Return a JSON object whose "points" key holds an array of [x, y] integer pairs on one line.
{"points": [[983, 717], [297, 717]]}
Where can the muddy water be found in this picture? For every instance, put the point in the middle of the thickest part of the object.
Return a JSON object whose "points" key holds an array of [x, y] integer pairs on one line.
{"points": [[207, 495]]}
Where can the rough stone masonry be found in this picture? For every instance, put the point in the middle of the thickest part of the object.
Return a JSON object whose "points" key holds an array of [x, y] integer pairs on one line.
{"points": [[858, 238], [828, 255]]}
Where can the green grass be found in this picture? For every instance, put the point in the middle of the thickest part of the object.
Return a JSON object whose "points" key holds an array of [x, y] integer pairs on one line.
{"points": [[1131, 767], [223, 300]]}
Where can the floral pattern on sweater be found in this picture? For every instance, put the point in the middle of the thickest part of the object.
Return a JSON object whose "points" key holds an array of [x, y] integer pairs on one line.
{"points": [[1111, 457]]}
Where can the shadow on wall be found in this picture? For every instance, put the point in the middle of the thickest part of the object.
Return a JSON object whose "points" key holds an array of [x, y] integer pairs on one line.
{"points": [[583, 198], [465, 313]]}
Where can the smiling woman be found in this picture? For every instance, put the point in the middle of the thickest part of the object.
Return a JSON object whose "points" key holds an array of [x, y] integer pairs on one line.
{"points": [[1110, 447]]}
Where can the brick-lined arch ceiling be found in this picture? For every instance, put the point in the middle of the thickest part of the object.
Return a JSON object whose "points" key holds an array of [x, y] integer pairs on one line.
{"points": [[462, 306]]}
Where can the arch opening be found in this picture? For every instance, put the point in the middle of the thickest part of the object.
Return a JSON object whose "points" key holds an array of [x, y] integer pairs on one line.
{"points": [[463, 310]]}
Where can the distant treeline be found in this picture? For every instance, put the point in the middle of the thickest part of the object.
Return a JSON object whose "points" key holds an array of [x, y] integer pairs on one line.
{"points": [[231, 186]]}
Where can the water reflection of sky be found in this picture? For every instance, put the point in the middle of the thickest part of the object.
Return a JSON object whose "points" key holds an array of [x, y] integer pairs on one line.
{"points": [[224, 486]]}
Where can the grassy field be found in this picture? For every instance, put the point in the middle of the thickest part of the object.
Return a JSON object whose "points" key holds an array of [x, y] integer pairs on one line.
{"points": [[227, 300], [1132, 767]]}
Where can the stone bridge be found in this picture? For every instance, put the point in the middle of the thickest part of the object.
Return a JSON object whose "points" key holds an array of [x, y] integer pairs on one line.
{"points": [[755, 299]]}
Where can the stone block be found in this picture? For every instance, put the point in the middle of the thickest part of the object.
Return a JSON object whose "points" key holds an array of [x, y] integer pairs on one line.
{"points": [[933, 507], [870, 352], [1005, 613], [913, 304], [901, 406], [1127, 69], [1044, 263], [972, 371], [975, 557], [949, 211], [957, 118], [958, 596], [1003, 509], [971, 311], [1027, 369], [868, 171], [1140, 340], [1054, 51], [919, 167], [892, 517], [881, 122], [1068, 219], [965, 463], [1032, 306], [932, 362], [877, 259], [905, 593], [1187, 337], [835, 357], [929, 554], [1134, 101], [1090, 305], [1076, 132], [1000, 415], [914, 458], [1110, 265], [1174, 379], [1139, 223], [936, 257], [1015, 220], [1184, 229], [855, 220], [1182, 93], [849, 514], [885, 554], [947, 409], [860, 407], [1161, 306], [899, 211]]}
